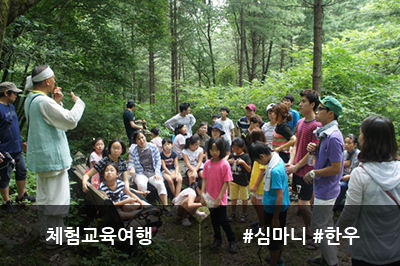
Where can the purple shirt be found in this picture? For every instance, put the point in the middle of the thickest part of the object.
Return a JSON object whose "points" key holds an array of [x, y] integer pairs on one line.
{"points": [[331, 151]]}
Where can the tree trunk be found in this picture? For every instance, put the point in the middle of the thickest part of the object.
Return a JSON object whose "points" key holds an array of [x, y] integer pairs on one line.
{"points": [[151, 74], [209, 40], [317, 59], [268, 60], [254, 44], [9, 11], [174, 51], [242, 48]]}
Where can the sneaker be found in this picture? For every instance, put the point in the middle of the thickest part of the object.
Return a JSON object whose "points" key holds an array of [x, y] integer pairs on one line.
{"points": [[232, 217], [199, 214], [254, 224], [294, 197], [255, 229], [186, 222], [9, 207], [25, 197], [233, 247], [280, 261], [317, 261], [243, 218], [216, 244]]}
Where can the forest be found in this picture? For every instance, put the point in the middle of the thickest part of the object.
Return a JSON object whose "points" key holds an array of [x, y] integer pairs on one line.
{"points": [[210, 53]]}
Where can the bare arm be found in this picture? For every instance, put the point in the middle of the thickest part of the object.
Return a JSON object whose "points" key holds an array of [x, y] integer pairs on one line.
{"points": [[287, 144], [134, 126], [86, 178], [221, 194]]}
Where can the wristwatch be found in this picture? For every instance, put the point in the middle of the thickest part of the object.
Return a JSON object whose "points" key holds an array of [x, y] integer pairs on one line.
{"points": [[312, 174]]}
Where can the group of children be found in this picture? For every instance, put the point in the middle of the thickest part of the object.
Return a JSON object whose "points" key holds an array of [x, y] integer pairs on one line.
{"points": [[221, 163]]}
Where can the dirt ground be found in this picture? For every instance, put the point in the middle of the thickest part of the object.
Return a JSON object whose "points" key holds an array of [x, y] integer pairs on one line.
{"points": [[19, 243]]}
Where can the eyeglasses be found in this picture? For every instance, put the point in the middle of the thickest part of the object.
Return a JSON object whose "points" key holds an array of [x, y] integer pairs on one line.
{"points": [[320, 108]]}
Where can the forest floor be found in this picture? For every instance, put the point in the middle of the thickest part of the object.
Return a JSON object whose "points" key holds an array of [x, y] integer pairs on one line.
{"points": [[174, 244]]}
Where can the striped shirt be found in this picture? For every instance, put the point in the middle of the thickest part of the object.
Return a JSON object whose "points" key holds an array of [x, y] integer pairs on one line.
{"points": [[304, 135], [268, 130], [282, 135], [116, 195]]}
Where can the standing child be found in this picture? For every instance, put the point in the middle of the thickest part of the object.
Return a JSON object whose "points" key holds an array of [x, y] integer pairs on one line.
{"points": [[170, 167], [288, 99], [227, 124], [155, 131], [241, 167], [276, 195], [126, 202], [217, 174], [193, 157], [95, 156]]}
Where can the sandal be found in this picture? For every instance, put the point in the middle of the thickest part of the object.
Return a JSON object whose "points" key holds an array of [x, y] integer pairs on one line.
{"points": [[312, 246], [243, 218], [308, 237], [232, 217]]}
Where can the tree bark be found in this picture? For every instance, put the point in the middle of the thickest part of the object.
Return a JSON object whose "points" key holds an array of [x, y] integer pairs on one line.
{"points": [[9, 11], [151, 73], [209, 40], [265, 72], [254, 44], [174, 51], [242, 48], [317, 58], [282, 57]]}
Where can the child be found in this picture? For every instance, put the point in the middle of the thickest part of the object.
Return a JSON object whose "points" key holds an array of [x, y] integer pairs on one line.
{"points": [[180, 139], [217, 173], [218, 132], [288, 99], [257, 182], [170, 167], [95, 156], [227, 124], [193, 157], [276, 195], [120, 195], [155, 131], [214, 118], [187, 202], [283, 135], [269, 128], [241, 167]]}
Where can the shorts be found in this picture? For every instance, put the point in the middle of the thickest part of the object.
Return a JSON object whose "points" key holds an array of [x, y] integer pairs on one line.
{"points": [[304, 190], [258, 196], [20, 170], [236, 190], [274, 244]]}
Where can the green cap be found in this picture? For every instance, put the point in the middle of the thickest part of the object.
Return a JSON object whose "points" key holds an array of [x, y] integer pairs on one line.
{"points": [[333, 104]]}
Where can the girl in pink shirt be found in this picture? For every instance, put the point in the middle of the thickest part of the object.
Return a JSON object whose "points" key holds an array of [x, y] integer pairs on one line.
{"points": [[216, 177]]}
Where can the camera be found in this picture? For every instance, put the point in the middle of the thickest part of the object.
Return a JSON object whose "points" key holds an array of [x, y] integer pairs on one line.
{"points": [[7, 161]]}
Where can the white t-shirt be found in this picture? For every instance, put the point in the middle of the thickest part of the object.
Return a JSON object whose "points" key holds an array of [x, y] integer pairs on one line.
{"points": [[227, 125], [184, 194], [179, 142], [193, 157]]}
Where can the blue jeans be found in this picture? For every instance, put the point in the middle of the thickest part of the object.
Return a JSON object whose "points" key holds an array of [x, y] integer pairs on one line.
{"points": [[343, 189], [218, 219]]}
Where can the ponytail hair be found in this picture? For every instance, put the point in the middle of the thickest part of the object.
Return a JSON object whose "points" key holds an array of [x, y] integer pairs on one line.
{"points": [[190, 141], [283, 110], [155, 130], [105, 153], [178, 129]]}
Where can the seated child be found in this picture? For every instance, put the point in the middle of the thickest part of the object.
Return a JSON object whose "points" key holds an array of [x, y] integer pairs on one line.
{"points": [[193, 157], [155, 131], [170, 167], [120, 195], [95, 156], [241, 167], [276, 194], [187, 202]]}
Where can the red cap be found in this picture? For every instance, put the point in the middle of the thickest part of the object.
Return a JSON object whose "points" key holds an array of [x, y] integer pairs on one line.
{"points": [[252, 107]]}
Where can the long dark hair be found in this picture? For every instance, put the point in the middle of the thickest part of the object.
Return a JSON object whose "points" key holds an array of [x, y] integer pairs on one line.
{"points": [[379, 140], [123, 146], [220, 146], [190, 141]]}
